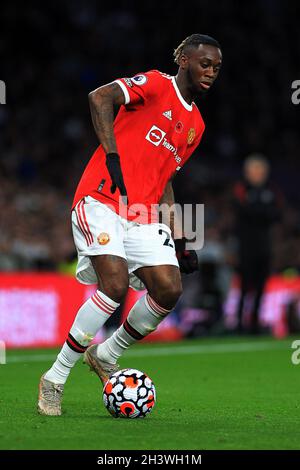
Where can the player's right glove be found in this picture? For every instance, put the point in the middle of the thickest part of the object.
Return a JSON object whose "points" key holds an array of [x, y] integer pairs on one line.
{"points": [[187, 259], [114, 169]]}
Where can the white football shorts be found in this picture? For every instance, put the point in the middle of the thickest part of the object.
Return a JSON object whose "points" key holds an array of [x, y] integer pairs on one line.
{"points": [[98, 230]]}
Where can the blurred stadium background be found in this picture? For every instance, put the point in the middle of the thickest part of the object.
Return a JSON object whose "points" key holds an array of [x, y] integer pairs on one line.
{"points": [[51, 57]]}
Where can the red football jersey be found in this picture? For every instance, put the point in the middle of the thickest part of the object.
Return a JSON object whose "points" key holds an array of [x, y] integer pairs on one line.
{"points": [[156, 132]]}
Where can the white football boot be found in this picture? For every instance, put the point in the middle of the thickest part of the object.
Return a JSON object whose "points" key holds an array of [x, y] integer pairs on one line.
{"points": [[50, 397], [103, 369]]}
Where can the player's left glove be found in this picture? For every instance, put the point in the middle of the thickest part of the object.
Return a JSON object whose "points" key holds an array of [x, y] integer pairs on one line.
{"points": [[114, 167], [188, 259]]}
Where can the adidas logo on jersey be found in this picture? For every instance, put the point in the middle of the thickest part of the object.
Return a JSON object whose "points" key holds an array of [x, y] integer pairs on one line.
{"points": [[168, 115]]}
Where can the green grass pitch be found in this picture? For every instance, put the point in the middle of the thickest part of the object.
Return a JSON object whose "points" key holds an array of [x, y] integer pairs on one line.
{"points": [[218, 393]]}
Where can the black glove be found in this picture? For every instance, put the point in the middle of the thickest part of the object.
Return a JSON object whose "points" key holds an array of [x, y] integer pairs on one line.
{"points": [[114, 168], [188, 259]]}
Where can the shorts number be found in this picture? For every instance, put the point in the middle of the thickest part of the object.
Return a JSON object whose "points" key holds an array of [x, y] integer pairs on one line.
{"points": [[167, 240]]}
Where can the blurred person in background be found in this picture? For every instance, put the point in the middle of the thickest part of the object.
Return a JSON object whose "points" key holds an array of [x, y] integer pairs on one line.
{"points": [[257, 207]]}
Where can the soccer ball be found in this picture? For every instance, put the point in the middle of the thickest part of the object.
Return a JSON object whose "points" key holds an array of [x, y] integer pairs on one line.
{"points": [[129, 393]]}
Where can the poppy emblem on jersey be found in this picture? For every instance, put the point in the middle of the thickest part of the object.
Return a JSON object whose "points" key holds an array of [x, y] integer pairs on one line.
{"points": [[179, 127], [103, 238], [139, 79], [191, 136], [155, 135]]}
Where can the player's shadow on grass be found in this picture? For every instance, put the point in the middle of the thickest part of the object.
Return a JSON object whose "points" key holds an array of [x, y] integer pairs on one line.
{"points": [[98, 416], [71, 414]]}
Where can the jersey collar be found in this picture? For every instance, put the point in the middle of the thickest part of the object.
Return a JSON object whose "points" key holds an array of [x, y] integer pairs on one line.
{"points": [[188, 107]]}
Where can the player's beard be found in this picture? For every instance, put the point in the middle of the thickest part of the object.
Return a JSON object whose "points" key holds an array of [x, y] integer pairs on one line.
{"points": [[194, 89]]}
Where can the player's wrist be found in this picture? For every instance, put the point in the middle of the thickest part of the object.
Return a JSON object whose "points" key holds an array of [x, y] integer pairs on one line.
{"points": [[112, 156]]}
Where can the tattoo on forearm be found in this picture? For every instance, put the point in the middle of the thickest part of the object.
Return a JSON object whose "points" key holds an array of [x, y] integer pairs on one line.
{"points": [[102, 106]]}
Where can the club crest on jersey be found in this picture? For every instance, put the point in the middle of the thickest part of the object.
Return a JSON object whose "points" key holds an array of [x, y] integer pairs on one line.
{"points": [[191, 136], [139, 79], [168, 115], [179, 127], [155, 135], [103, 238]]}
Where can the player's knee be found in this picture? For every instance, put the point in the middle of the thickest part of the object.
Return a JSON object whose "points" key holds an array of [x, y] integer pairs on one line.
{"points": [[167, 294], [115, 289]]}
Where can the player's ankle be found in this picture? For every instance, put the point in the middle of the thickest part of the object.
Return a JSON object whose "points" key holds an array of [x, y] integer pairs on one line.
{"points": [[54, 378], [105, 355]]}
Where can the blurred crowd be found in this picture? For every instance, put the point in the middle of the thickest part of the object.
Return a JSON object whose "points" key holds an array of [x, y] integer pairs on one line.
{"points": [[54, 55]]}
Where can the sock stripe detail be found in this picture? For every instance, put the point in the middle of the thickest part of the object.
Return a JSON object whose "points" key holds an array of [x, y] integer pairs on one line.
{"points": [[98, 304], [157, 308], [131, 331], [74, 345], [109, 307], [102, 304]]}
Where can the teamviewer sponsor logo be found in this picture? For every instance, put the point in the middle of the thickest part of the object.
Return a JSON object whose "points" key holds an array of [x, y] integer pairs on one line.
{"points": [[155, 135]]}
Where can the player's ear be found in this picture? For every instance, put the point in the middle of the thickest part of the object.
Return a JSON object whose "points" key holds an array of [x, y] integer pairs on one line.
{"points": [[183, 61]]}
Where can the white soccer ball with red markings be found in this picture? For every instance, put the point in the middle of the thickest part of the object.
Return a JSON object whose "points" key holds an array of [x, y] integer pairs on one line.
{"points": [[129, 393]]}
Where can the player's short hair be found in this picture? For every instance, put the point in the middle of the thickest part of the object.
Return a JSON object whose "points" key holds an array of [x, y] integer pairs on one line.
{"points": [[194, 40]]}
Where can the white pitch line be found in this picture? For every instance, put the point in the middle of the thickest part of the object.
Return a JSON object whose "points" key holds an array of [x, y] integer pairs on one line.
{"points": [[206, 349], [172, 350], [30, 358]]}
